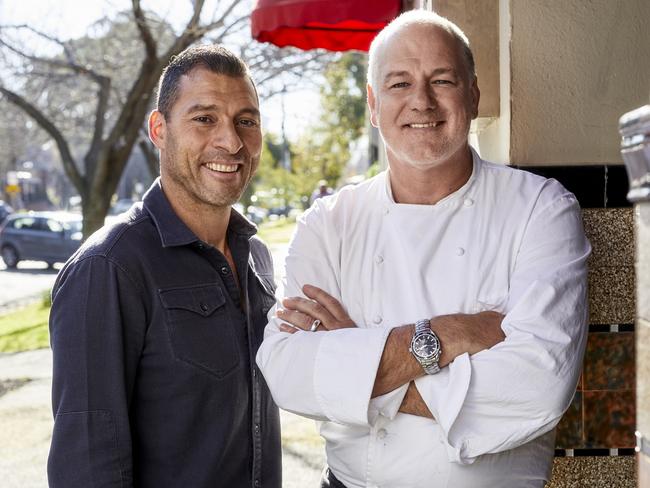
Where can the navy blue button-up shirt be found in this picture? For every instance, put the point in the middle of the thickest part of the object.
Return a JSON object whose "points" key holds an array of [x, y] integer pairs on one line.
{"points": [[154, 381]]}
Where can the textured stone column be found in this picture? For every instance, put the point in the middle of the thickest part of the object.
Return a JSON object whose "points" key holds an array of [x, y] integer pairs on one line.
{"points": [[635, 149]]}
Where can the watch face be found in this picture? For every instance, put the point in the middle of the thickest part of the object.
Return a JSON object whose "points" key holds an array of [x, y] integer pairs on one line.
{"points": [[426, 345]]}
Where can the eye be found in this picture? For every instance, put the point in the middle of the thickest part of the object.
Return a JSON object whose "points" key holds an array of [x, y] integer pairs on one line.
{"points": [[401, 84], [248, 123], [203, 119], [443, 82]]}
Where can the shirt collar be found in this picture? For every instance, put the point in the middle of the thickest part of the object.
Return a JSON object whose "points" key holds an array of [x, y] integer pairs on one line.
{"points": [[462, 191], [173, 231]]}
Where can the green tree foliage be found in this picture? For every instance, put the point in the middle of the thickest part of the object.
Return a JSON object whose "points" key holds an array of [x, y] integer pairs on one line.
{"points": [[324, 149], [343, 120]]}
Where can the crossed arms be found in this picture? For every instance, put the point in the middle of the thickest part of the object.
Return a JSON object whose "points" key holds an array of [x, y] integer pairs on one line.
{"points": [[458, 334], [492, 394]]}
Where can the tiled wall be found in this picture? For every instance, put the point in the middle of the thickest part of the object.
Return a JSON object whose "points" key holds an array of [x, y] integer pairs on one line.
{"points": [[595, 439]]}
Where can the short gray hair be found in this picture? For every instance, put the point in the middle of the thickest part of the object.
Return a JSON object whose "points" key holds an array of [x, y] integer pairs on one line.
{"points": [[417, 17]]}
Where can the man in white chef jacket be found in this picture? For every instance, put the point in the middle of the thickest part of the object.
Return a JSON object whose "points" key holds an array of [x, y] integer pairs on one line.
{"points": [[439, 309]]}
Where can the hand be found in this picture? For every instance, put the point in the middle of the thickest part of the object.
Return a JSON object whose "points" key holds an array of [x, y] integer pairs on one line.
{"points": [[320, 305]]}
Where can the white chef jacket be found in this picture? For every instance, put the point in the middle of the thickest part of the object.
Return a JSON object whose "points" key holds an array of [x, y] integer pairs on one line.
{"points": [[508, 241]]}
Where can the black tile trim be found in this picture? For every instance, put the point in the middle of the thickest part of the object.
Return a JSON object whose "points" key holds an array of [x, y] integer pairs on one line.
{"points": [[593, 452], [608, 328], [595, 186]]}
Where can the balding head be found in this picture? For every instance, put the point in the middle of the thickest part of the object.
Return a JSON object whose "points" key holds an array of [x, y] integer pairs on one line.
{"points": [[416, 18]]}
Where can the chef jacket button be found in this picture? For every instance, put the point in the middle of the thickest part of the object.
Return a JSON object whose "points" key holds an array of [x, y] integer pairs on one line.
{"points": [[468, 202], [381, 433], [460, 251], [377, 319], [379, 259]]}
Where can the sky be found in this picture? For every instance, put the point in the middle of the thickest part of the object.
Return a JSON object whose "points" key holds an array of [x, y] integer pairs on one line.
{"points": [[71, 18]]}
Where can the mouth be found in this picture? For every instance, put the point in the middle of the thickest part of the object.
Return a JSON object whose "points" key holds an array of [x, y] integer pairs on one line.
{"points": [[423, 125], [222, 167]]}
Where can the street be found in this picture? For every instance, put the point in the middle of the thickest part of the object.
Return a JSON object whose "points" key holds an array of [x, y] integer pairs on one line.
{"points": [[29, 281]]}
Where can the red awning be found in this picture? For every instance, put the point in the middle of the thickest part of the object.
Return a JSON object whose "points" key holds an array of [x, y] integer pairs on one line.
{"points": [[337, 25]]}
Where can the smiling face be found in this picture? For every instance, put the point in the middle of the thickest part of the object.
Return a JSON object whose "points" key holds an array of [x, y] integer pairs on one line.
{"points": [[424, 99], [211, 141]]}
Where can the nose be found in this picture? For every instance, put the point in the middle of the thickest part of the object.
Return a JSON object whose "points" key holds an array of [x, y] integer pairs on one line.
{"points": [[423, 97], [227, 138]]}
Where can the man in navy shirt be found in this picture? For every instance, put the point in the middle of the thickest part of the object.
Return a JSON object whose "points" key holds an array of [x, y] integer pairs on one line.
{"points": [[156, 320]]}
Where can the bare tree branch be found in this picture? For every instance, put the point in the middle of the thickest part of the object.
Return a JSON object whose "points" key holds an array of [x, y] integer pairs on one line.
{"points": [[103, 95], [50, 128], [64, 45], [53, 62], [145, 32], [149, 152], [235, 26], [221, 21]]}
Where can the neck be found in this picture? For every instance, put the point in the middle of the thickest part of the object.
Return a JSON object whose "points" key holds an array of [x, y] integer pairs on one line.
{"points": [[427, 186], [208, 222]]}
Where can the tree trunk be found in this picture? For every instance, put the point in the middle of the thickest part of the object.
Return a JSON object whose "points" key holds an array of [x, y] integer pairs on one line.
{"points": [[94, 212]]}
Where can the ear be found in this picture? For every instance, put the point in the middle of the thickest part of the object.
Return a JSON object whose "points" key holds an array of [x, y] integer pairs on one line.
{"points": [[157, 129], [372, 105], [476, 97]]}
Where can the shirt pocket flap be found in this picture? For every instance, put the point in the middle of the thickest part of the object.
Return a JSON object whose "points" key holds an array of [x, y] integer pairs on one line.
{"points": [[200, 299]]}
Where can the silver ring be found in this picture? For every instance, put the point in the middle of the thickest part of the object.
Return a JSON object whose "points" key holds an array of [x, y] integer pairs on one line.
{"points": [[314, 325]]}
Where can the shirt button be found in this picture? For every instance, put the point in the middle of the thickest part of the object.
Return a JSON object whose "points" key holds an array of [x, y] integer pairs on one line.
{"points": [[468, 202], [204, 307], [225, 270], [460, 251], [257, 428], [379, 259], [386, 211], [381, 433], [200, 245], [377, 319], [254, 372], [257, 483]]}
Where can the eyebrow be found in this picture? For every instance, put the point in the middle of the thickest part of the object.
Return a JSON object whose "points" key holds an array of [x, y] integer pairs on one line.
{"points": [[437, 71], [198, 107]]}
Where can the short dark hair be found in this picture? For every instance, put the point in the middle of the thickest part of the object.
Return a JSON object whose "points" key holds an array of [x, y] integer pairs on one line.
{"points": [[215, 58]]}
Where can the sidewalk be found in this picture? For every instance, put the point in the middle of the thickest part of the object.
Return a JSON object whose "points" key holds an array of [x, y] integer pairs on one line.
{"points": [[26, 427]]}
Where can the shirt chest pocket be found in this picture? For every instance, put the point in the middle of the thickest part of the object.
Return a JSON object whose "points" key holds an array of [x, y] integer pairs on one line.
{"points": [[200, 328]]}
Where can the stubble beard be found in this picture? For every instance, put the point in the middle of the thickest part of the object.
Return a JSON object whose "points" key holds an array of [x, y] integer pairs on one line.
{"points": [[188, 186]]}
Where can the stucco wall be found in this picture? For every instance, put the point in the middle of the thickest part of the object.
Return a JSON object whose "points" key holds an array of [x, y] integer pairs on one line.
{"points": [[576, 67]]}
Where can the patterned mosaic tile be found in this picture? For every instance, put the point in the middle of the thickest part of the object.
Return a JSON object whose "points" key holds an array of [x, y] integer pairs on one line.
{"points": [[609, 419], [609, 361], [611, 295], [569, 430], [611, 233]]}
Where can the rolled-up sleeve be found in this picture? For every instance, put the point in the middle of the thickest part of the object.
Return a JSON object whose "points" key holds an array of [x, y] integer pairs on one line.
{"points": [[519, 389], [97, 327], [321, 375]]}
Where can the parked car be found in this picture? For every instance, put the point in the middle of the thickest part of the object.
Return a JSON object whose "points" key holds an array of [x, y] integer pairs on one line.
{"points": [[39, 236], [5, 210]]}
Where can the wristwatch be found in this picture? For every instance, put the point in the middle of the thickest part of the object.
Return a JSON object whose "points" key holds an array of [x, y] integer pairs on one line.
{"points": [[425, 347]]}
